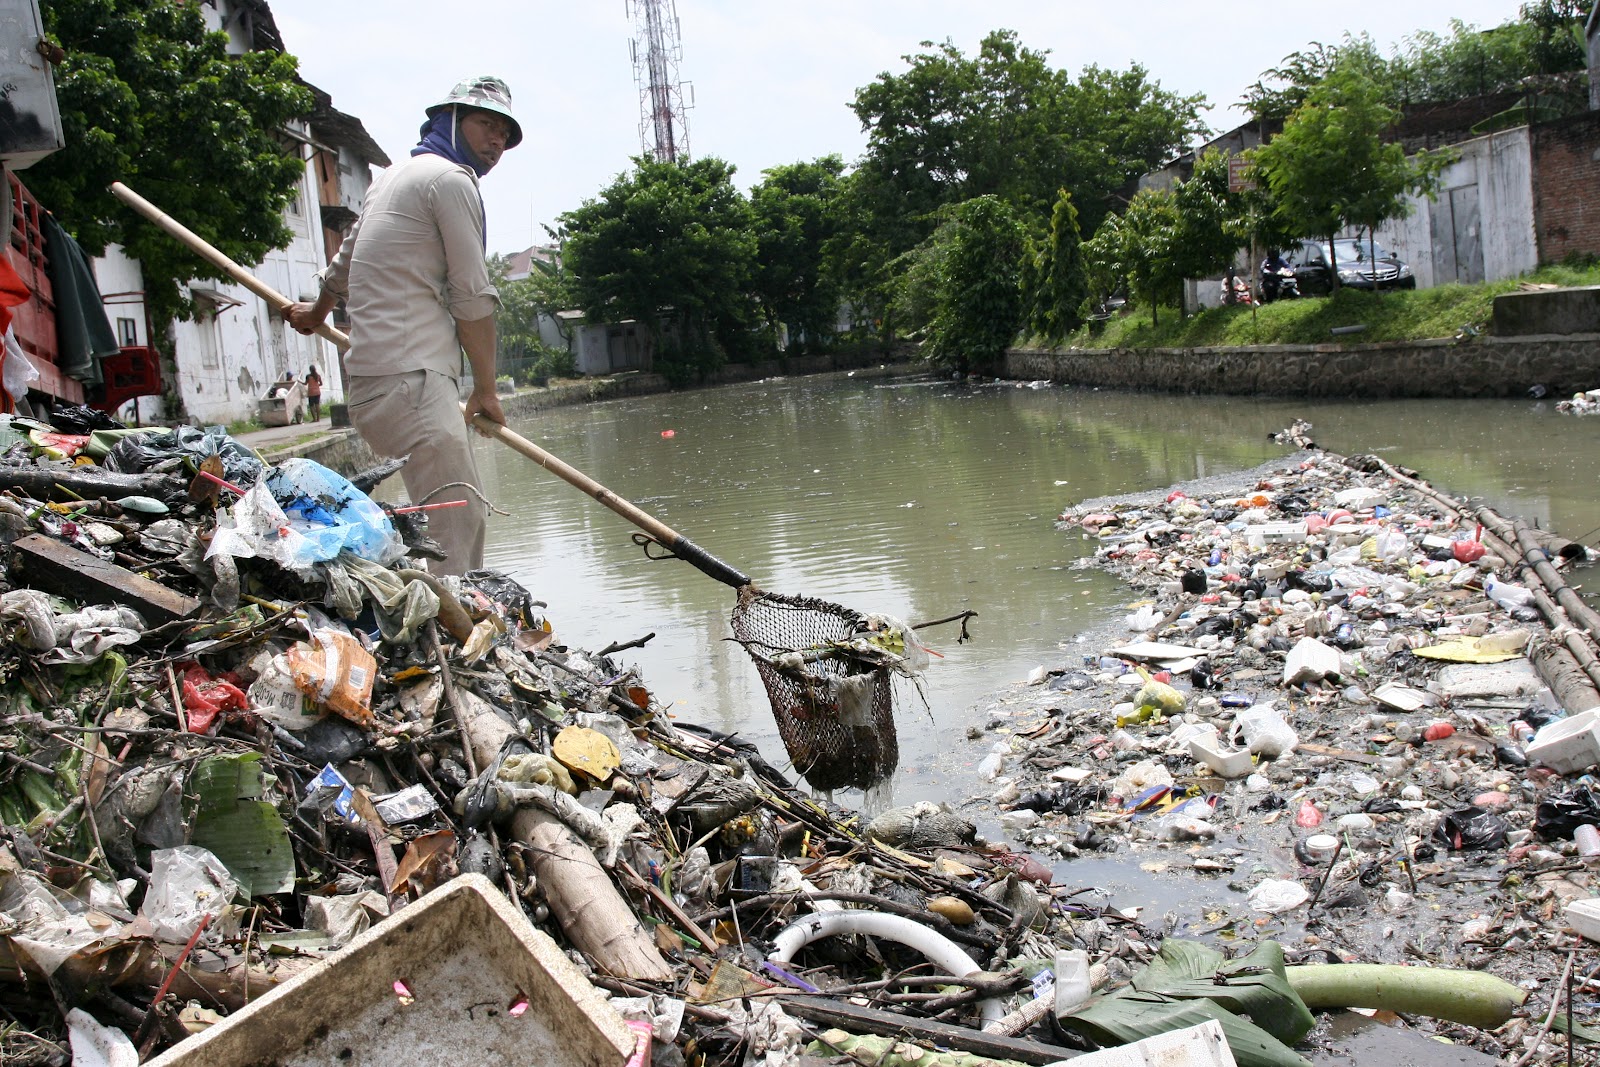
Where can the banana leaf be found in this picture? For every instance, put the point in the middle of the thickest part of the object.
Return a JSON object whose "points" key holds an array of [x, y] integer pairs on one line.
{"points": [[1133, 1016], [1252, 985], [240, 828]]}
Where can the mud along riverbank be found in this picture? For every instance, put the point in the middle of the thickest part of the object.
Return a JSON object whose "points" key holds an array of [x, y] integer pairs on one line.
{"points": [[1315, 725]]}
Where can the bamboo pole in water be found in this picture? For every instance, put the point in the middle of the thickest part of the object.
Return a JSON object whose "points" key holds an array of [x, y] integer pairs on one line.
{"points": [[1569, 664]]}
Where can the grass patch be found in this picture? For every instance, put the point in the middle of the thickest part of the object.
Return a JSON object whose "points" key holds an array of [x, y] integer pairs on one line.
{"points": [[1399, 315]]}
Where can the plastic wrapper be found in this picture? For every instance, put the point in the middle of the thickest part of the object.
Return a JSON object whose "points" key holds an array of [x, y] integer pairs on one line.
{"points": [[187, 883], [275, 697], [1470, 829], [336, 672], [32, 609], [205, 698]]}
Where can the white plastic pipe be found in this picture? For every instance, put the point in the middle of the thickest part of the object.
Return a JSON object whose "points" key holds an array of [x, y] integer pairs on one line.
{"points": [[940, 950]]}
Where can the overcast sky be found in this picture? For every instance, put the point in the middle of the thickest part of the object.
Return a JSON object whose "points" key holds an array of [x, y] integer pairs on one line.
{"points": [[772, 82]]}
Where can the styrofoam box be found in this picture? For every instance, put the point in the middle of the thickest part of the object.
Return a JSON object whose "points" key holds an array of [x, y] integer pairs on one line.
{"points": [[1584, 917], [1568, 745]]}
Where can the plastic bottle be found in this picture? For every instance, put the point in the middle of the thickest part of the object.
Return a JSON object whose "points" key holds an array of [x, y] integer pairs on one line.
{"points": [[1072, 980], [1265, 733], [1587, 838], [1505, 594]]}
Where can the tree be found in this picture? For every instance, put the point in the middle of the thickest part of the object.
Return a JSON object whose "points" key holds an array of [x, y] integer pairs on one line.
{"points": [[1055, 279], [978, 306], [798, 211], [669, 243], [1331, 168], [1004, 123], [1211, 221], [1139, 249], [149, 98], [1529, 53]]}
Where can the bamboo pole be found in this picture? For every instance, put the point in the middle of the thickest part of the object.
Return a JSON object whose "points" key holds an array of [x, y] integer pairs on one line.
{"points": [[591, 911], [1573, 654]]}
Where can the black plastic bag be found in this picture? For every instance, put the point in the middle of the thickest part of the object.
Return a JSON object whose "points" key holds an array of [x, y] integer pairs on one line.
{"points": [[75, 418], [1565, 810], [1470, 829]]}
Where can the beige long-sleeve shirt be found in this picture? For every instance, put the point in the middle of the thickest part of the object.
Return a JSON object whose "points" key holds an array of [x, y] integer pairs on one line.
{"points": [[411, 266]]}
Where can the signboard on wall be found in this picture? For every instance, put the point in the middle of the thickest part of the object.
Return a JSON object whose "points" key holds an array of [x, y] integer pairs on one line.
{"points": [[1238, 175]]}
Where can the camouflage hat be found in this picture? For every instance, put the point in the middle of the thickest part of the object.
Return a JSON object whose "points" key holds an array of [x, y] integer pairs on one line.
{"points": [[486, 93]]}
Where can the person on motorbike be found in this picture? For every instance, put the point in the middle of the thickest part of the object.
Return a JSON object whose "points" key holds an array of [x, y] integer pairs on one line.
{"points": [[1273, 269]]}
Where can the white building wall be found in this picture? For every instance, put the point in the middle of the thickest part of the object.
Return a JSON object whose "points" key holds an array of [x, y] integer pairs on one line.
{"points": [[227, 360], [1500, 167]]}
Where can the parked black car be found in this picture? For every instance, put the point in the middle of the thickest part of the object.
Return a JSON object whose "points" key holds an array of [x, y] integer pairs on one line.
{"points": [[1357, 267]]}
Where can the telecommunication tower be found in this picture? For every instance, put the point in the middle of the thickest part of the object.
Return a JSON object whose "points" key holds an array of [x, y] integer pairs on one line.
{"points": [[656, 49]]}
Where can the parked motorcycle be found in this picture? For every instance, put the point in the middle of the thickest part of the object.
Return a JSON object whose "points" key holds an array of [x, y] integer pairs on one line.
{"points": [[1278, 284], [1241, 291]]}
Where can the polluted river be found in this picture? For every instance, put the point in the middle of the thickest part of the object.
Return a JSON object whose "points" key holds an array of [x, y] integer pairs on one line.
{"points": [[1258, 710], [922, 499]]}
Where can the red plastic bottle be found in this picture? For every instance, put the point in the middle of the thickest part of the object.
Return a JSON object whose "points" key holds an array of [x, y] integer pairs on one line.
{"points": [[1438, 731]]}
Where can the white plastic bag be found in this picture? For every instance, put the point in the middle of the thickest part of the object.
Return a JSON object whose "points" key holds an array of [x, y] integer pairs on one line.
{"points": [[1277, 895], [187, 883], [1265, 733], [20, 373], [94, 1045]]}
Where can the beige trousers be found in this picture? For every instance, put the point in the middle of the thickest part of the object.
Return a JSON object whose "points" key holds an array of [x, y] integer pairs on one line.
{"points": [[418, 414]]}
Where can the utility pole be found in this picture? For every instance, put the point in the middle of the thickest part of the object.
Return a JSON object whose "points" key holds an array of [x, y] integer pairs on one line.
{"points": [[656, 49]]}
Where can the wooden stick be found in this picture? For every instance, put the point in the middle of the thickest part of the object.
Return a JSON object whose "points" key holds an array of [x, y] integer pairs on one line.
{"points": [[212, 255]]}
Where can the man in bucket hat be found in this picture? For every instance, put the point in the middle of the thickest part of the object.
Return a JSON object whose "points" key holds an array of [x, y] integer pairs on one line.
{"points": [[414, 279]]}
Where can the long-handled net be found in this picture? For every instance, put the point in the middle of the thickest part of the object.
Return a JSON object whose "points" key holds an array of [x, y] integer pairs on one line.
{"points": [[826, 668], [830, 693]]}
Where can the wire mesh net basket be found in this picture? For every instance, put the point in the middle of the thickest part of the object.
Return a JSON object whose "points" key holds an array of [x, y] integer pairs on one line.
{"points": [[835, 713]]}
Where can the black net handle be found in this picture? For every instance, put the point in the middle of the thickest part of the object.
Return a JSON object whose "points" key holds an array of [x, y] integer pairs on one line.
{"points": [[659, 531]]}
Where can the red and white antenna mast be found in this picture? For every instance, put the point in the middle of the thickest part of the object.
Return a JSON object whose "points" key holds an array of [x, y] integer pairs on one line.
{"points": [[657, 48]]}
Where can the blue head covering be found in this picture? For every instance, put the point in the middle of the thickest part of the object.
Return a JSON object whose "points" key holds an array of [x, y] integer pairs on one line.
{"points": [[439, 138]]}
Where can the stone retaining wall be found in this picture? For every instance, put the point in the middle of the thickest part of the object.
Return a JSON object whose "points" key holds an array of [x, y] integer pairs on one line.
{"points": [[1481, 367]]}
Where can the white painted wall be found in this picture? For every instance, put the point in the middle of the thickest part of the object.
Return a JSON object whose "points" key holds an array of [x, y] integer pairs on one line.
{"points": [[227, 360], [1501, 166]]}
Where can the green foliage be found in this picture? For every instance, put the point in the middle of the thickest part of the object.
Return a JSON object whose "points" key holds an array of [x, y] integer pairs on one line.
{"points": [[798, 211], [1544, 42], [1003, 123], [1188, 983], [148, 98], [1331, 168], [1055, 277], [1138, 250], [1401, 315], [1212, 220], [668, 243], [978, 306]]}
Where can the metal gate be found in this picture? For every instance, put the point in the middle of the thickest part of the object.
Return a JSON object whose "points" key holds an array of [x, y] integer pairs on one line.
{"points": [[1457, 237]]}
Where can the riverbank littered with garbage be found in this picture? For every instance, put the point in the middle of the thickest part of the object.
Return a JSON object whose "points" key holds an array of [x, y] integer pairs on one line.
{"points": [[272, 793]]}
